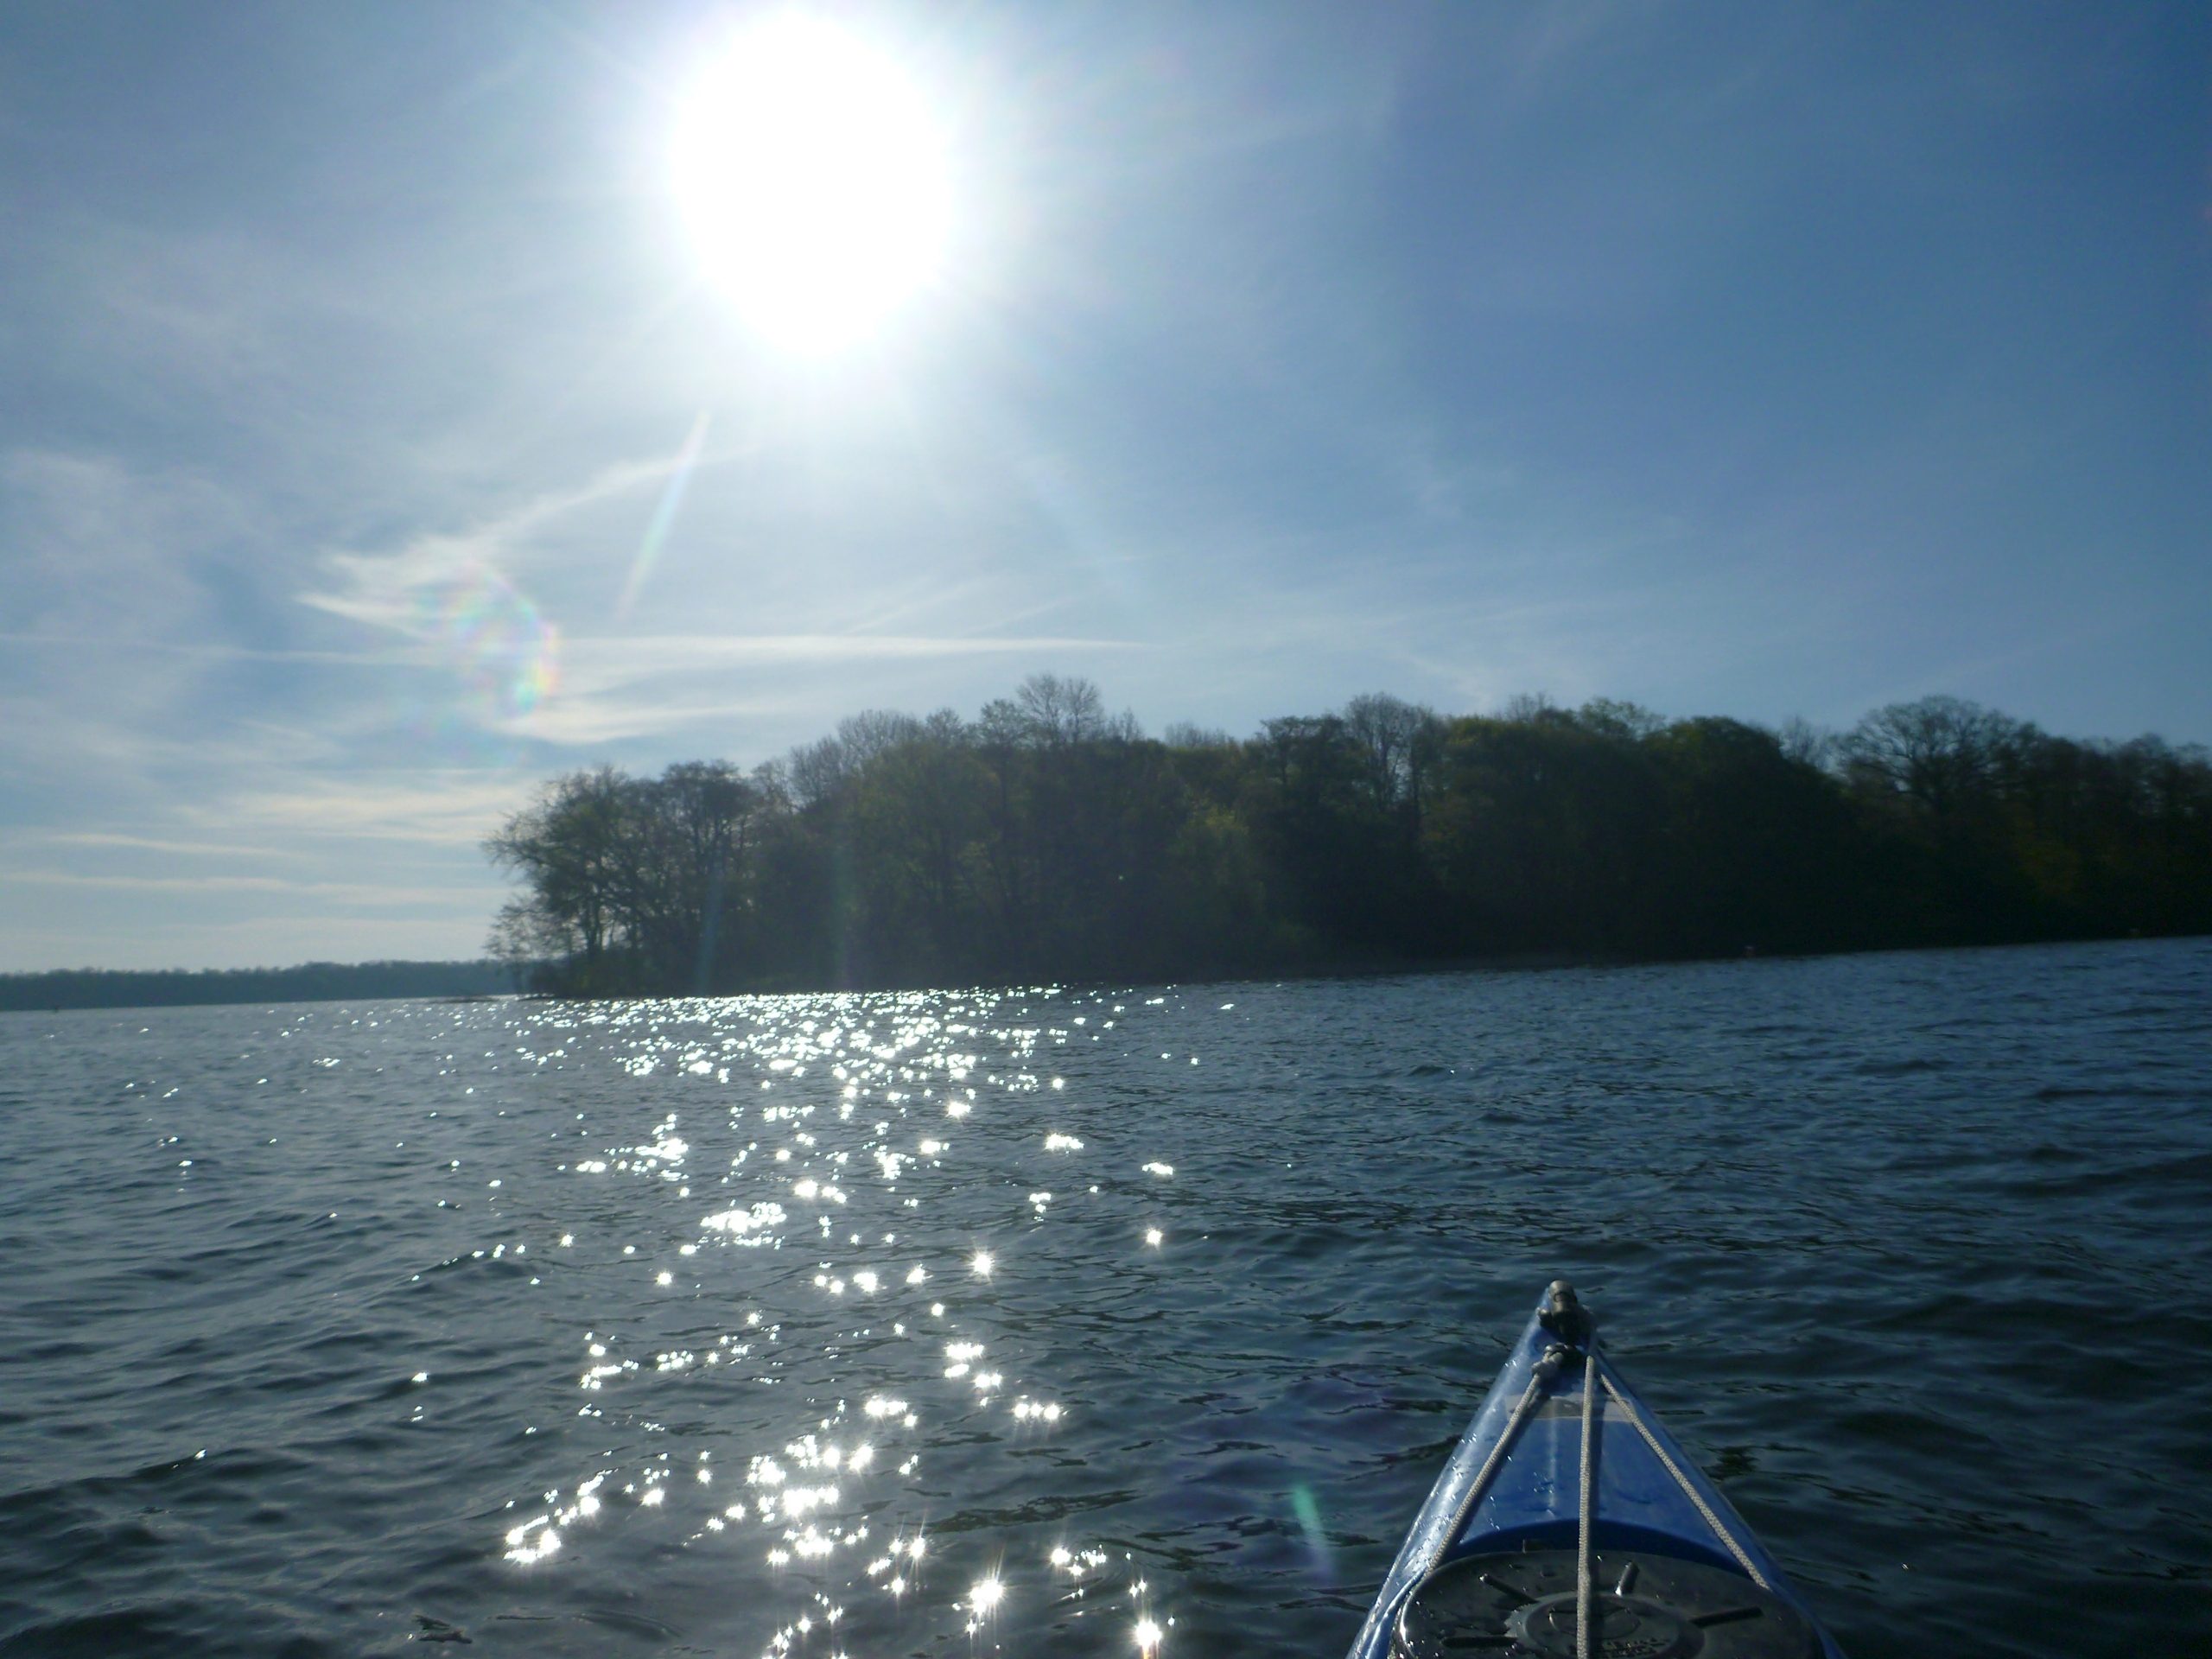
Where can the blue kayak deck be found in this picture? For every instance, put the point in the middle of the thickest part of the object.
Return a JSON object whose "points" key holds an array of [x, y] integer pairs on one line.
{"points": [[1532, 1500]]}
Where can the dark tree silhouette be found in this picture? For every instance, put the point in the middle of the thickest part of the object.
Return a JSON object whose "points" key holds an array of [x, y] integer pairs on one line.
{"points": [[1049, 840], [313, 982]]}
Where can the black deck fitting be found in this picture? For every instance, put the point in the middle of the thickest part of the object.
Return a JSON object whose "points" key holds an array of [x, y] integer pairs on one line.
{"points": [[1564, 1316]]}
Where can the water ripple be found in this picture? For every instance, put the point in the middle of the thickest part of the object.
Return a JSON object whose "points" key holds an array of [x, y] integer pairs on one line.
{"points": [[1051, 1321]]}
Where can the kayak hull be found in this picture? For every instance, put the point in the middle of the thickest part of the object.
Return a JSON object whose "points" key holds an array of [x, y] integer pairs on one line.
{"points": [[1530, 1500]]}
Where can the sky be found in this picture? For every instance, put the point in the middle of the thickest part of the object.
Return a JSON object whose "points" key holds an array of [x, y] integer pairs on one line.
{"points": [[381, 433]]}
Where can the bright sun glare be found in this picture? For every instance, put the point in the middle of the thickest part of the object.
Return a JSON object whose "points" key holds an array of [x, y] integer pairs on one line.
{"points": [[811, 175]]}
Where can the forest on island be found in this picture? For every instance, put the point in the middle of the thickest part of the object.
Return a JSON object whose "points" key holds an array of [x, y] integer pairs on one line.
{"points": [[1047, 840]]}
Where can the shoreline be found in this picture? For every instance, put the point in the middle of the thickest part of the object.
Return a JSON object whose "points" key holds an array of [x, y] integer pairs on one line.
{"points": [[1363, 969]]}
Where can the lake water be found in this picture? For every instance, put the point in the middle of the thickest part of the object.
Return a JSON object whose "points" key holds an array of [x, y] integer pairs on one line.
{"points": [[778, 1326]]}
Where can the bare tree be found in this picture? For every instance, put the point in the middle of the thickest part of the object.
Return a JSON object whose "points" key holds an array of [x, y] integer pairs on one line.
{"points": [[1807, 744], [1056, 712], [523, 935], [1528, 708], [1616, 717], [873, 731], [1939, 753], [1398, 741], [1186, 735], [815, 772]]}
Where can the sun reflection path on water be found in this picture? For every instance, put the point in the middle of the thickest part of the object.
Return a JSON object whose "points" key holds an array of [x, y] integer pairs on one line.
{"points": [[801, 1161]]}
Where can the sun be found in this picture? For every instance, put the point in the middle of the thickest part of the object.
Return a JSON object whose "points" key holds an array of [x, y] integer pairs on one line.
{"points": [[811, 177]]}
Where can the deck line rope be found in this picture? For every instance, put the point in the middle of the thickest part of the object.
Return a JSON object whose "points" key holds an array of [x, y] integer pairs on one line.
{"points": [[1743, 1558], [1583, 1576], [1468, 1499]]}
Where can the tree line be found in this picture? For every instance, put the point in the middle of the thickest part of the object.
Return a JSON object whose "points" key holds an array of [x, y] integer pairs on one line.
{"points": [[1049, 840], [312, 982]]}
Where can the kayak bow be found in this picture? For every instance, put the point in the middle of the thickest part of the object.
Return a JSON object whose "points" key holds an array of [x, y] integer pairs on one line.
{"points": [[1568, 1522]]}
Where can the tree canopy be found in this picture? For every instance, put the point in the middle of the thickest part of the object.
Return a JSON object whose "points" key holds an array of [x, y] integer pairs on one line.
{"points": [[1046, 839]]}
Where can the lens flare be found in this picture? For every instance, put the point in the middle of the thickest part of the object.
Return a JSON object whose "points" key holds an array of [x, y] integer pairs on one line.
{"points": [[664, 512], [1309, 1522], [506, 653]]}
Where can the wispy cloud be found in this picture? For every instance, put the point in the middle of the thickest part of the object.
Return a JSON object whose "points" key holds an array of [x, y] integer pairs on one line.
{"points": [[350, 893], [660, 685], [611, 717], [455, 809], [216, 650], [99, 549], [388, 589], [679, 652], [105, 839]]}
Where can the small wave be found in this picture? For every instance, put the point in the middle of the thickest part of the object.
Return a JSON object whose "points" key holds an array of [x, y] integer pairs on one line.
{"points": [[2193, 1171], [1900, 1068], [2117, 1091]]}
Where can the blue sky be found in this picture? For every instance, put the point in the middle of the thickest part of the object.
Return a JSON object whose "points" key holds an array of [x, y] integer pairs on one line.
{"points": [[1763, 360]]}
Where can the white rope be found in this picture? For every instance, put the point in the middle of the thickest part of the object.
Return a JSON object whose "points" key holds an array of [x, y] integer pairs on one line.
{"points": [[1583, 1575], [1469, 1498], [1689, 1491]]}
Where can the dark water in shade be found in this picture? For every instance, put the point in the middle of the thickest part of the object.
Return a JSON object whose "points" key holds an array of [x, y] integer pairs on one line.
{"points": [[317, 1322]]}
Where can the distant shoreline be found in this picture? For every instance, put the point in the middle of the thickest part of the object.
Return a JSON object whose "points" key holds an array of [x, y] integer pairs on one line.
{"points": [[54, 989], [1526, 962], [372, 981]]}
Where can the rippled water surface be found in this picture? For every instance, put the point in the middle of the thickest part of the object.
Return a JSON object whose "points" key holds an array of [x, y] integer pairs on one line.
{"points": [[1028, 1322]]}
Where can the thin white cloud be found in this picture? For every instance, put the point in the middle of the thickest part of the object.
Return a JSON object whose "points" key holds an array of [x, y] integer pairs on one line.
{"points": [[99, 550], [615, 689], [177, 749], [387, 589], [216, 650], [678, 652], [581, 723], [110, 839], [435, 809], [351, 893]]}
